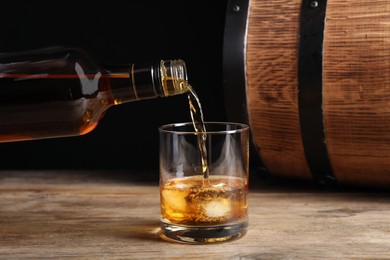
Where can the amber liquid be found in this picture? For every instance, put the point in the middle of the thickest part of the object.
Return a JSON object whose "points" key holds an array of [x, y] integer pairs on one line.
{"points": [[36, 106], [200, 129], [187, 201]]}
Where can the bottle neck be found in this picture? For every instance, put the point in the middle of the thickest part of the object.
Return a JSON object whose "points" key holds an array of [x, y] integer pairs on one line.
{"points": [[150, 80]]}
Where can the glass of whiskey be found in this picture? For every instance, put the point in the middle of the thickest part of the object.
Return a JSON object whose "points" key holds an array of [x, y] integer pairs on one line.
{"points": [[204, 182]]}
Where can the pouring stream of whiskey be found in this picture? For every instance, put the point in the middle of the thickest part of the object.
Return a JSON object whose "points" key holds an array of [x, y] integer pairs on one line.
{"points": [[200, 129]]}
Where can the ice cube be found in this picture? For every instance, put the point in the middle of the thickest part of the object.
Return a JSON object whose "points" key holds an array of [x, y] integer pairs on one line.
{"points": [[175, 199], [217, 208]]}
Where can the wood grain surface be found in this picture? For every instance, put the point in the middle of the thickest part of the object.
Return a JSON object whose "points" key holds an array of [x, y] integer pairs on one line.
{"points": [[355, 89], [105, 215], [272, 85]]}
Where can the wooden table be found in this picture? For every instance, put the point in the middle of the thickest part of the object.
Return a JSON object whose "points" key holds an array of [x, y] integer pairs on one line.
{"points": [[115, 215]]}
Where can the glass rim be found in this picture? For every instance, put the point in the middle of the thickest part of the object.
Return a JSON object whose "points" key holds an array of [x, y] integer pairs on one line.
{"points": [[169, 128]]}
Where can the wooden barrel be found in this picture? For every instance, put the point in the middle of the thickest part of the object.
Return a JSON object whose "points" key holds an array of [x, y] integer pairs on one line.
{"points": [[312, 79]]}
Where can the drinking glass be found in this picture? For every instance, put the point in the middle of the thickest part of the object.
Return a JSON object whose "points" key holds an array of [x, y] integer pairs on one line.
{"points": [[204, 182]]}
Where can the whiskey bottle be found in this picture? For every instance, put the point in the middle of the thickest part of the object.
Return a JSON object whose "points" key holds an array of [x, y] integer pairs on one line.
{"points": [[57, 92]]}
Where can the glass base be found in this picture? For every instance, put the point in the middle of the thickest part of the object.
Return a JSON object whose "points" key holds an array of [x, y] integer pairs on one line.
{"points": [[204, 234]]}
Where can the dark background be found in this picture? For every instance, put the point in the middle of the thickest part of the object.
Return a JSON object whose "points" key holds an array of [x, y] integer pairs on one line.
{"points": [[116, 32]]}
